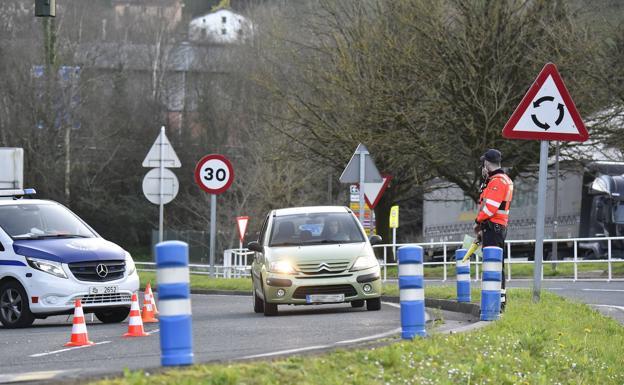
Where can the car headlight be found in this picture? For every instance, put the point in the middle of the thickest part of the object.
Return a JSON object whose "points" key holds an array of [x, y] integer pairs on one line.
{"points": [[130, 266], [284, 267], [363, 263], [49, 267]]}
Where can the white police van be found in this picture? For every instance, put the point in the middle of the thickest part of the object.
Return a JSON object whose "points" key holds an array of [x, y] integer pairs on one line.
{"points": [[49, 258]]}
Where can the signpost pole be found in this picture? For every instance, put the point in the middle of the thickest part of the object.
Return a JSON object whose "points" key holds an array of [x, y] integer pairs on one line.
{"points": [[361, 187], [539, 221], [213, 230], [161, 209], [555, 211]]}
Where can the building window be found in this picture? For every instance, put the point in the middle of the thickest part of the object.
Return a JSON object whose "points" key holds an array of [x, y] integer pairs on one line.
{"points": [[223, 31], [224, 19]]}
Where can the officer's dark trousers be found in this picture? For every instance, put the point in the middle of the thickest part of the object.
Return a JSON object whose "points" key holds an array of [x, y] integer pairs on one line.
{"points": [[493, 234]]}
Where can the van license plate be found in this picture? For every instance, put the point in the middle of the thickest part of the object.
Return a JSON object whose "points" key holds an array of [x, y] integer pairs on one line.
{"points": [[103, 289], [324, 298]]}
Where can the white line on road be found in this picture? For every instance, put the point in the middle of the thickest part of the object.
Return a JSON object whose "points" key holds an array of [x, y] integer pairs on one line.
{"points": [[612, 306], [67, 349], [392, 304], [153, 331], [605, 290], [287, 351], [376, 336]]}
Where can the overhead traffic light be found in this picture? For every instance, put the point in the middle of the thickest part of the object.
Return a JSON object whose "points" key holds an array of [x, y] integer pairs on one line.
{"points": [[45, 8]]}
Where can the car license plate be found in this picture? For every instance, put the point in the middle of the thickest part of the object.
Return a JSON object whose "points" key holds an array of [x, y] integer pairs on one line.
{"points": [[103, 289], [324, 298]]}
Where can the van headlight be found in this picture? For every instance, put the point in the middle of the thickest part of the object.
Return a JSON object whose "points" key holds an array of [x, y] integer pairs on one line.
{"points": [[49, 267], [130, 266], [363, 263], [283, 267]]}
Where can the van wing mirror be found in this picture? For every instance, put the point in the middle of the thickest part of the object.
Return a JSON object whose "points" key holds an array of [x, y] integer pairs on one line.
{"points": [[255, 246]]}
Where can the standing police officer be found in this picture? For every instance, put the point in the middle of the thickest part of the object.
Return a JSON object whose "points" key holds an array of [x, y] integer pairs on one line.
{"points": [[494, 202]]}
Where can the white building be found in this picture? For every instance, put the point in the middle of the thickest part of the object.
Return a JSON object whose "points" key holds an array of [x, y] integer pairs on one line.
{"points": [[222, 26]]}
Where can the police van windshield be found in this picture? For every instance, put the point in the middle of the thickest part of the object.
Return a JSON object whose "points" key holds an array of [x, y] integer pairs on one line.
{"points": [[317, 228], [39, 221]]}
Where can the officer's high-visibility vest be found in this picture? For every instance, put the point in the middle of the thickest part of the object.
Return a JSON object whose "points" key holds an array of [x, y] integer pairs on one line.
{"points": [[495, 200]]}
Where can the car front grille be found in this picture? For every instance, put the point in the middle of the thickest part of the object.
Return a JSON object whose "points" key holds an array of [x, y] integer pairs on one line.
{"points": [[333, 267], [87, 271], [302, 291], [91, 299]]}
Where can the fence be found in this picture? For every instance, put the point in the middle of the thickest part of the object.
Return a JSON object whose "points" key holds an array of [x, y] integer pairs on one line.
{"points": [[236, 261]]}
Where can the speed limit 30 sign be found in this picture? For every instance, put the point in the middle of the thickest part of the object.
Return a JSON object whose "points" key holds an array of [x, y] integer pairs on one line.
{"points": [[214, 173]]}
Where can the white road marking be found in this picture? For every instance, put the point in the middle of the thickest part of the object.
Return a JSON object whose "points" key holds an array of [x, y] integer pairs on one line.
{"points": [[153, 331], [67, 349], [376, 336], [605, 290], [32, 376], [287, 351], [392, 304], [612, 306]]}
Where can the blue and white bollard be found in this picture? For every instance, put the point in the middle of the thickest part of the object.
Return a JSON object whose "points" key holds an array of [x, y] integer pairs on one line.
{"points": [[411, 292], [491, 285], [463, 276], [174, 303]]}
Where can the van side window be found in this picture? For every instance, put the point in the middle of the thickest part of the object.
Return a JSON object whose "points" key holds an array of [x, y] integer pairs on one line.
{"points": [[263, 230]]}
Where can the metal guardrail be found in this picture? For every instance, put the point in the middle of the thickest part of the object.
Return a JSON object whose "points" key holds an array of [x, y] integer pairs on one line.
{"points": [[236, 260], [575, 261]]}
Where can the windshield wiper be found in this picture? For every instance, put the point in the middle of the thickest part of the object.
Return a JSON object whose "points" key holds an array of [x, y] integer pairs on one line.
{"points": [[286, 244], [44, 236]]}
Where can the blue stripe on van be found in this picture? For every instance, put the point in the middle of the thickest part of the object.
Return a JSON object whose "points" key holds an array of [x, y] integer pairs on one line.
{"points": [[11, 263]]}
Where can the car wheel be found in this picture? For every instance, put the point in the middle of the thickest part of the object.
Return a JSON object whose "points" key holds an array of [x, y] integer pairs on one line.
{"points": [[258, 303], [14, 307], [270, 309], [110, 316], [357, 303], [373, 304]]}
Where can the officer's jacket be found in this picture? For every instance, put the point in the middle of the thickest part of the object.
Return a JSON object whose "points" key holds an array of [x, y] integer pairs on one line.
{"points": [[495, 199]]}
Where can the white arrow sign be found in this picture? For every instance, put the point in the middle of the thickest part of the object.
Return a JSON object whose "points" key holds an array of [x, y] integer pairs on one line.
{"points": [[168, 155]]}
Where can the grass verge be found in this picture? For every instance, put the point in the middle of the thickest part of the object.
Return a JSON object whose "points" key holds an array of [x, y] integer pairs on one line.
{"points": [[553, 342]]}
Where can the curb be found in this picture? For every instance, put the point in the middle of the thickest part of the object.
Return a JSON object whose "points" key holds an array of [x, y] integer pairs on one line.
{"points": [[444, 304]]}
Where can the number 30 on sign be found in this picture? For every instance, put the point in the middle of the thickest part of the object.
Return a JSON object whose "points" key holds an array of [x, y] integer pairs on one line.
{"points": [[214, 173]]}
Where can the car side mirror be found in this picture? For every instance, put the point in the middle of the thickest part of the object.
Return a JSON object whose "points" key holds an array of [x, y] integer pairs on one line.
{"points": [[255, 246], [374, 239]]}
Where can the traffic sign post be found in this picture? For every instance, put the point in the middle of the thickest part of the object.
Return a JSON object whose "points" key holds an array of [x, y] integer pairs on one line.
{"points": [[373, 192], [160, 185], [242, 227], [546, 112], [361, 169], [214, 174]]}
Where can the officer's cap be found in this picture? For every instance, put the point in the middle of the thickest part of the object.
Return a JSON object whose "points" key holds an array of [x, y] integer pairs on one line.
{"points": [[492, 155]]}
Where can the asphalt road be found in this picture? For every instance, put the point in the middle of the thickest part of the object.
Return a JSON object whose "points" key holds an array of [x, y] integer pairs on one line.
{"points": [[224, 328]]}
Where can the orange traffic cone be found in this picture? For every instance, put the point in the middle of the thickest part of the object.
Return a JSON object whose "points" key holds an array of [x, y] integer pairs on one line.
{"points": [[147, 315], [149, 290], [79, 336], [135, 326]]}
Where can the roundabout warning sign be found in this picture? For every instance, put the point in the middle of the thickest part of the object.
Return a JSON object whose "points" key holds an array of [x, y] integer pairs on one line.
{"points": [[546, 112]]}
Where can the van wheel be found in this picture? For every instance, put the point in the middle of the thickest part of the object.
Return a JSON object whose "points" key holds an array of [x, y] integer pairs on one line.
{"points": [[357, 303], [258, 303], [111, 316], [14, 307], [373, 304]]}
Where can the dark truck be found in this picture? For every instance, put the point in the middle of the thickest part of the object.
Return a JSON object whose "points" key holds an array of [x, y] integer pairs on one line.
{"points": [[590, 204]]}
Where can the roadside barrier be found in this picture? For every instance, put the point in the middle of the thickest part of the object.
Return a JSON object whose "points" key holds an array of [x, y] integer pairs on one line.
{"points": [[79, 336], [147, 314], [176, 338], [491, 284], [135, 324], [411, 292], [463, 276]]}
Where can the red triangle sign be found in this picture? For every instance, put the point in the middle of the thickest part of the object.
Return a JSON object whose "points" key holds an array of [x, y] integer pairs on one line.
{"points": [[374, 191], [242, 226], [546, 112]]}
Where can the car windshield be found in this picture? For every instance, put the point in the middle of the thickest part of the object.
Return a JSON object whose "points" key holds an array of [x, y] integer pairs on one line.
{"points": [[316, 228], [39, 221]]}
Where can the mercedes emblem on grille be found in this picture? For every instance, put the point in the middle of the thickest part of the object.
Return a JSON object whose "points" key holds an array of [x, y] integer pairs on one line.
{"points": [[101, 270]]}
